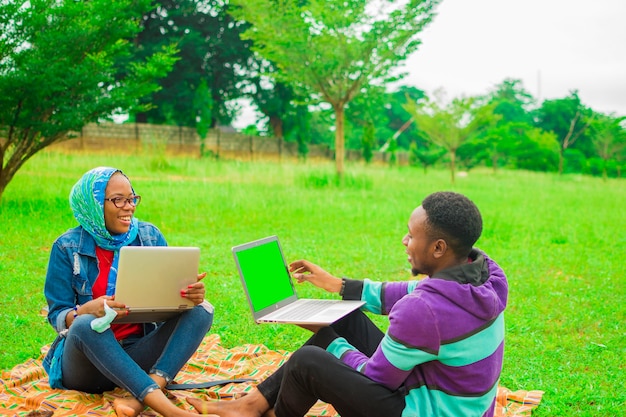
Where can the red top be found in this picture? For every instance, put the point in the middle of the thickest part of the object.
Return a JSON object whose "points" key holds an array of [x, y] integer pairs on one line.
{"points": [[105, 259]]}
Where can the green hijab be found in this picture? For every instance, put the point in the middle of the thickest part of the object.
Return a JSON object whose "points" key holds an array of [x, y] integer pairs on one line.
{"points": [[87, 204]]}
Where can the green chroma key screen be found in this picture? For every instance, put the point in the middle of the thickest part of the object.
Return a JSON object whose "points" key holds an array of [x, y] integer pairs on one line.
{"points": [[266, 277]]}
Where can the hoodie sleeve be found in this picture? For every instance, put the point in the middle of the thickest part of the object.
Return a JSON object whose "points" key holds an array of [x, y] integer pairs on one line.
{"points": [[379, 297], [411, 339]]}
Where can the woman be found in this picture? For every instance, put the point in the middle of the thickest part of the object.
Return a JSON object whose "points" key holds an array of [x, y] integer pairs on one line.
{"points": [[141, 358]]}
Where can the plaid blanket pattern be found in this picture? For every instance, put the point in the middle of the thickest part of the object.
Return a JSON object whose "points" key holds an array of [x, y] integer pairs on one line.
{"points": [[24, 390]]}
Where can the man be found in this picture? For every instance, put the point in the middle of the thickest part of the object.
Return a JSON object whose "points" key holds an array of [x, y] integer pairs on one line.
{"points": [[442, 353]]}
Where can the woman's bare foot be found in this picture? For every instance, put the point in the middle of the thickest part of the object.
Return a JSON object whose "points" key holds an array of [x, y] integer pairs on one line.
{"points": [[127, 407], [251, 405]]}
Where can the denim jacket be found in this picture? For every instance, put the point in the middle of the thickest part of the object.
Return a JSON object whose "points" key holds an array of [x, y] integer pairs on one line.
{"points": [[73, 269]]}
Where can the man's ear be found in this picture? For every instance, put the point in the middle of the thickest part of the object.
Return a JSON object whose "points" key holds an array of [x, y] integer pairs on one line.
{"points": [[439, 248]]}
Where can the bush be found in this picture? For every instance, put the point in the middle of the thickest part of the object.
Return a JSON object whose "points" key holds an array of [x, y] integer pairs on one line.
{"points": [[575, 161], [598, 167]]}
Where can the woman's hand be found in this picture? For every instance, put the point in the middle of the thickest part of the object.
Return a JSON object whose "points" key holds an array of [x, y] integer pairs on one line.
{"points": [[96, 306], [303, 270], [195, 292]]}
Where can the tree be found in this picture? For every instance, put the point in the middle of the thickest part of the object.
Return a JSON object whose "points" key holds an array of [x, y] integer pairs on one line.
{"points": [[368, 141], [536, 150], [450, 125], [427, 155], [64, 64], [366, 121], [203, 110], [609, 138], [210, 51], [405, 131], [568, 118], [332, 50], [512, 104], [276, 100]]}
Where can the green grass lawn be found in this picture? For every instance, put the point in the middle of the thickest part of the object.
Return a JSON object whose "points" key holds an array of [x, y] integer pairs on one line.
{"points": [[561, 240]]}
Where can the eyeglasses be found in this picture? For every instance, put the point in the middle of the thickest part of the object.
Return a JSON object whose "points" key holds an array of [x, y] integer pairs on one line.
{"points": [[120, 202]]}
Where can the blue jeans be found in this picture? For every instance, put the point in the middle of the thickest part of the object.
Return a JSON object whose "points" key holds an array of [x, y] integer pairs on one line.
{"points": [[96, 362]]}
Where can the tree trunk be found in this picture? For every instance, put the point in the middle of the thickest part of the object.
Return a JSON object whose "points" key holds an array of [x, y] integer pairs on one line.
{"points": [[141, 117], [3, 185], [339, 140], [7, 172]]}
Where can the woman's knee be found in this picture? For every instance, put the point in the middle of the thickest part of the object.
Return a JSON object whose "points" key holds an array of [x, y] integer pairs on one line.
{"points": [[82, 325], [201, 317], [80, 332]]}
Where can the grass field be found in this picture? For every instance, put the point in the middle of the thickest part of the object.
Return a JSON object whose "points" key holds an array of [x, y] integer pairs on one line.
{"points": [[561, 240]]}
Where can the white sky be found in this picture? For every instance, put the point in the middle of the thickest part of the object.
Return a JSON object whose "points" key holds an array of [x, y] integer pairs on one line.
{"points": [[553, 46]]}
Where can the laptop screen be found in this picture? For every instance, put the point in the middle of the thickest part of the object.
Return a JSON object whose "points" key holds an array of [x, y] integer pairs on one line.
{"points": [[264, 272]]}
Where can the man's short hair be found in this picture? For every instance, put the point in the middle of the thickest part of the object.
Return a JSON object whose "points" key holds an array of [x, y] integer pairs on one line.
{"points": [[453, 218]]}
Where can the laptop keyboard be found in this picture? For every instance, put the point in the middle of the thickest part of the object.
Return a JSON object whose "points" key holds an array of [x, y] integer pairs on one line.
{"points": [[305, 309]]}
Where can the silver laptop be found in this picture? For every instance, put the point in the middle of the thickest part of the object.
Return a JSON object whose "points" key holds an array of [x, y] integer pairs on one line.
{"points": [[270, 290], [149, 280]]}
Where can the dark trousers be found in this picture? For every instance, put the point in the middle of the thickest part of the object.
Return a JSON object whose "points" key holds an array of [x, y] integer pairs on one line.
{"points": [[312, 373]]}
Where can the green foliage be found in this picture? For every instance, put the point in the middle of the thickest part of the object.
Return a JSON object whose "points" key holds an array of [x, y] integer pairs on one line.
{"points": [[450, 125], [277, 101], [575, 161], [301, 130], [608, 134], [470, 154], [363, 117], [507, 135], [392, 150], [538, 152], [67, 64], [210, 51], [512, 102], [569, 119], [600, 168], [368, 141], [557, 238], [399, 122], [203, 108], [333, 50], [425, 155], [321, 126]]}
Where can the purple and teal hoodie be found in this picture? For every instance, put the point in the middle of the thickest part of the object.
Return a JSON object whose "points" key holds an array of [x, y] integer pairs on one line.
{"points": [[445, 342]]}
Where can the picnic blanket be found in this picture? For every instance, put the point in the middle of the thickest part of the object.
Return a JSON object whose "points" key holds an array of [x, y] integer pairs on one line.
{"points": [[24, 391]]}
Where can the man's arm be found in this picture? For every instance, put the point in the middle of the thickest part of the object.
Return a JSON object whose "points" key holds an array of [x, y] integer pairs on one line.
{"points": [[303, 270], [398, 352]]}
